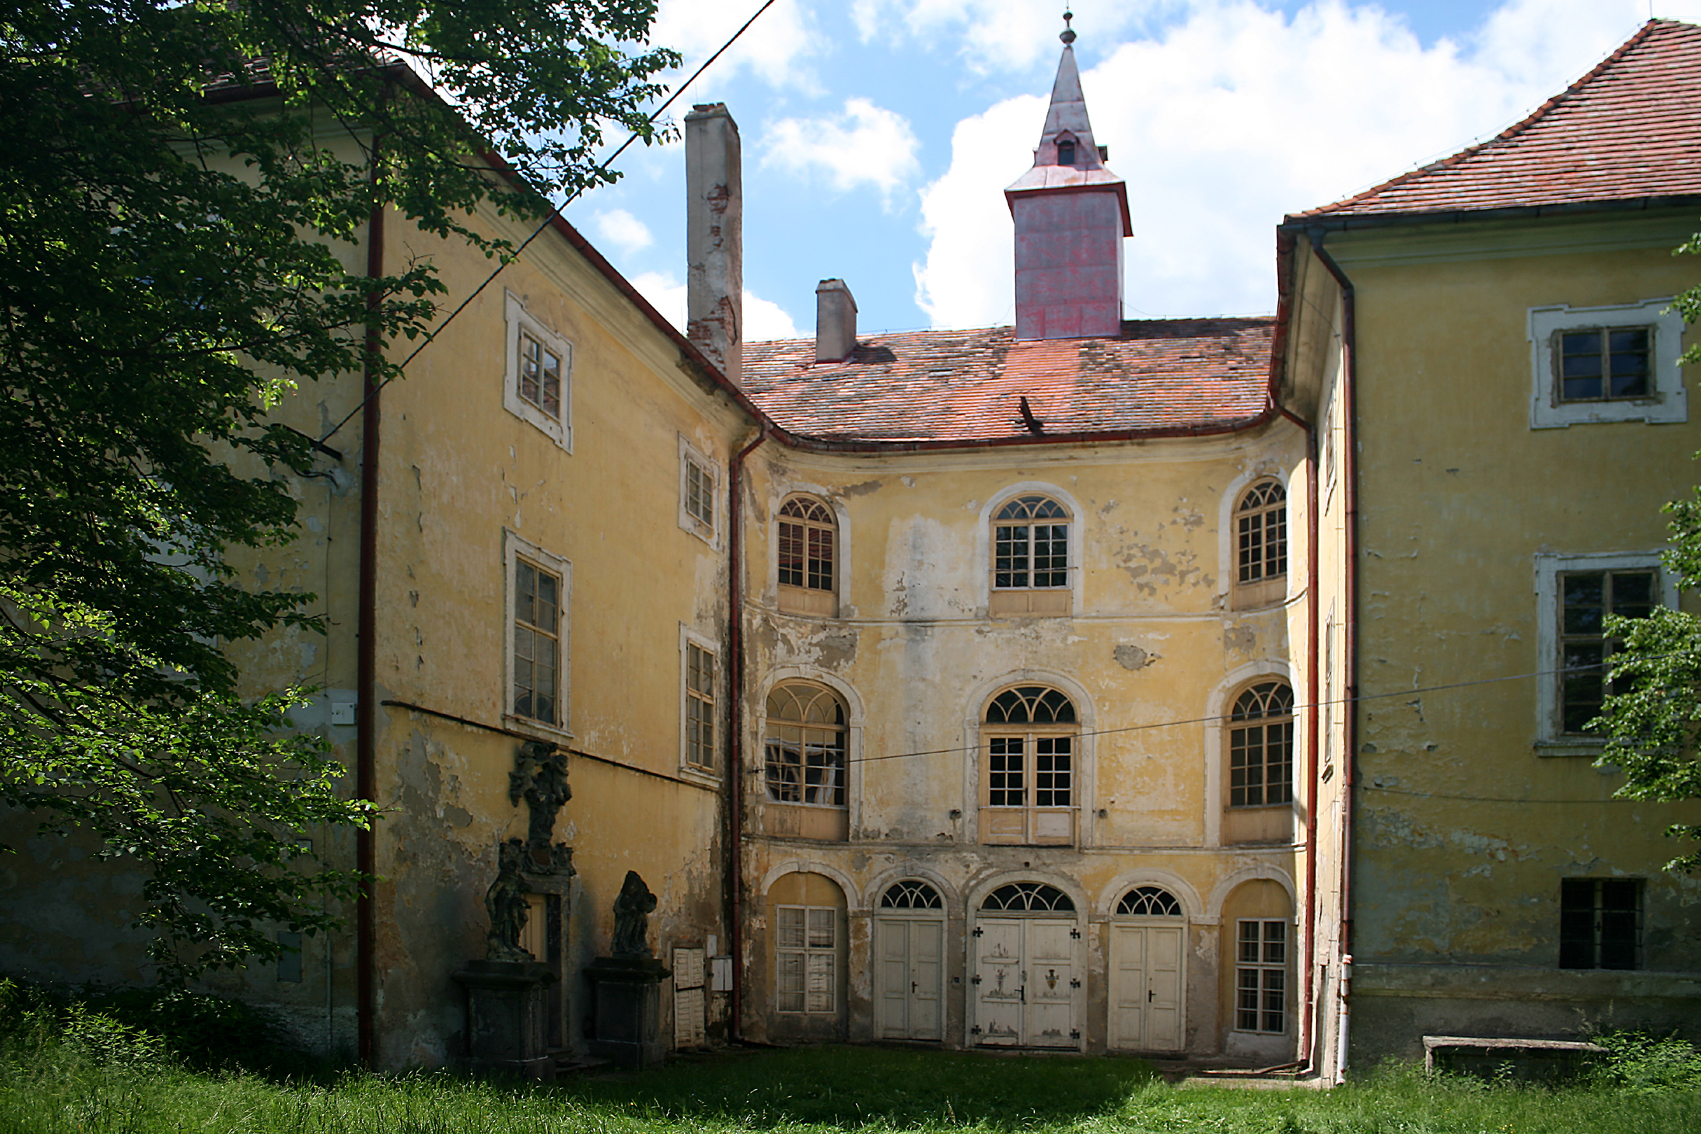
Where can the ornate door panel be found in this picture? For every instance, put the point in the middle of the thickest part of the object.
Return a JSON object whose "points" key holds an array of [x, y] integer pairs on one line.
{"points": [[998, 981], [1050, 988], [1025, 991]]}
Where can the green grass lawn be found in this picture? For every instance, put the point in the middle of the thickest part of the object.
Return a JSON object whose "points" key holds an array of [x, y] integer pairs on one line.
{"points": [[67, 1088]]}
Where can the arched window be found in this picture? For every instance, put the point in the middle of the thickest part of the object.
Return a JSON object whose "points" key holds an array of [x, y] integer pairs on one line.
{"points": [[1066, 151], [807, 548], [1260, 745], [805, 746], [911, 895], [1148, 901], [1030, 557], [1028, 897], [1261, 544], [1029, 767]]}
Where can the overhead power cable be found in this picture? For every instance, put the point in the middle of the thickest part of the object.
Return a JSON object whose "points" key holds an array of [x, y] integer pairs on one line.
{"points": [[548, 220], [1225, 716]]}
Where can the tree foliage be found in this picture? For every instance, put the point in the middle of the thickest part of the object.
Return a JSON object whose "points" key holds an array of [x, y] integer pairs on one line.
{"points": [[182, 186], [1654, 714]]}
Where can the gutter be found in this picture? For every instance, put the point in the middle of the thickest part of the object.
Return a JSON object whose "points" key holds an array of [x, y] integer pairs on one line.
{"points": [[1349, 757], [1307, 1038], [735, 726], [366, 651]]}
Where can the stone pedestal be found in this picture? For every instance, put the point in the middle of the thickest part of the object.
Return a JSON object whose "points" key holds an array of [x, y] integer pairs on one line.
{"points": [[507, 1017], [627, 995]]}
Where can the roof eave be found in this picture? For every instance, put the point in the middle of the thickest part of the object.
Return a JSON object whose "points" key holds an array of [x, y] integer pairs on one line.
{"points": [[1344, 222]]}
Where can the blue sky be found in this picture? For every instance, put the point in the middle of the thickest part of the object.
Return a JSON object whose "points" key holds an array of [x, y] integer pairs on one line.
{"points": [[878, 135]]}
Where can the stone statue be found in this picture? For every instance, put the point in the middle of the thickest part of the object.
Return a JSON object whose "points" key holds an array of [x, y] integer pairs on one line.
{"points": [[632, 911], [540, 775], [505, 901]]}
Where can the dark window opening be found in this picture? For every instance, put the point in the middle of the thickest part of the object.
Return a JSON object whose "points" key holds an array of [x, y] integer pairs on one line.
{"points": [[1603, 363], [1066, 152], [1600, 923]]}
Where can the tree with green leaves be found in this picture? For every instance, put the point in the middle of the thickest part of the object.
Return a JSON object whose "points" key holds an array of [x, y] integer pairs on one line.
{"points": [[170, 221], [1652, 718]]}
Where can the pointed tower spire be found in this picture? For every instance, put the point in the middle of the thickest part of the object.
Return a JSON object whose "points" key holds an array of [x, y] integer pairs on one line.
{"points": [[1071, 214]]}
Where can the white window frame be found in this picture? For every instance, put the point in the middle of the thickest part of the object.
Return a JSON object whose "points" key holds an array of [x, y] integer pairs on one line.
{"points": [[1263, 968], [690, 455], [689, 639], [1550, 740], [807, 952], [1666, 402], [517, 318], [985, 552], [515, 548]]}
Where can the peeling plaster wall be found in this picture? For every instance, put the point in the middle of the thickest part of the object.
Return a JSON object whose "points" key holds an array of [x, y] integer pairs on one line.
{"points": [[457, 469], [1148, 642], [1466, 824]]}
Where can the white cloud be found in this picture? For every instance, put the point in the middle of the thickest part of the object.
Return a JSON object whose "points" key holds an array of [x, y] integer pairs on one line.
{"points": [[623, 230], [864, 145], [997, 34], [1235, 115], [773, 47], [763, 318]]}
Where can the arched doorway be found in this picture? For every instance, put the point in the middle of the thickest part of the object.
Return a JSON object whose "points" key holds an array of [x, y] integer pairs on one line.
{"points": [[1148, 977], [909, 962], [1023, 960]]}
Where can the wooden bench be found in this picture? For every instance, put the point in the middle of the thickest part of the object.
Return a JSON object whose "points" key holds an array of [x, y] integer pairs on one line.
{"points": [[1546, 1058]]}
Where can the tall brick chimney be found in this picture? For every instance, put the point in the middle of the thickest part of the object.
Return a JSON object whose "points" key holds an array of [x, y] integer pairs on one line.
{"points": [[714, 237]]}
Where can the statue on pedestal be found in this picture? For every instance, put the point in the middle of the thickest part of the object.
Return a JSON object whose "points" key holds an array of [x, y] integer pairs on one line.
{"points": [[632, 911], [505, 901]]}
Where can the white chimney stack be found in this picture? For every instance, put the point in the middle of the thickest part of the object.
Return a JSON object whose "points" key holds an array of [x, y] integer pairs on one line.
{"points": [[714, 237], [835, 321]]}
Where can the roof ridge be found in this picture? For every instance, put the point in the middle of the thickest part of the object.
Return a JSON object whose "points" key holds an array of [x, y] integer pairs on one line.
{"points": [[1513, 131]]}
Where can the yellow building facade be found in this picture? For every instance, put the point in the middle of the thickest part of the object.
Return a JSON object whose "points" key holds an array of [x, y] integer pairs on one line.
{"points": [[1203, 688]]}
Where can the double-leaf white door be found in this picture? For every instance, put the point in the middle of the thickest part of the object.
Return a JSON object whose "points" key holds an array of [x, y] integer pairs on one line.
{"points": [[1024, 982], [1146, 987], [909, 977]]}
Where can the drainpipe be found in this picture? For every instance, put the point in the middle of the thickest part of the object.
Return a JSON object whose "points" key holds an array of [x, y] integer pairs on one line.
{"points": [[366, 684], [1307, 1031], [1349, 760], [735, 730]]}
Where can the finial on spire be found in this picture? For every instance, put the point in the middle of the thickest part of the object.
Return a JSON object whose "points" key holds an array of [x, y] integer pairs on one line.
{"points": [[1067, 35]]}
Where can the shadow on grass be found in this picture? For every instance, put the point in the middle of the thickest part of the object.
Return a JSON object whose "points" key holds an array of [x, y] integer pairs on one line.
{"points": [[854, 1086]]}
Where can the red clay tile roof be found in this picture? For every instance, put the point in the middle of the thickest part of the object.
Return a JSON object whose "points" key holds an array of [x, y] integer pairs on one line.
{"points": [[921, 386], [1630, 129]]}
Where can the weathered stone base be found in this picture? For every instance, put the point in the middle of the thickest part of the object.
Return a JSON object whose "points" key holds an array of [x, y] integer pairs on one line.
{"points": [[627, 995], [506, 1017]]}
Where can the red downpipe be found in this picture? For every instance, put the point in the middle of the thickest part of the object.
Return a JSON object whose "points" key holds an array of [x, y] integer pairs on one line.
{"points": [[735, 730], [1307, 1036], [366, 652], [1349, 475]]}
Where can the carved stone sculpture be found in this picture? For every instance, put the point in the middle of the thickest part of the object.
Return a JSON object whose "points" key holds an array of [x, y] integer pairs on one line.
{"points": [[632, 911], [505, 901], [540, 775]]}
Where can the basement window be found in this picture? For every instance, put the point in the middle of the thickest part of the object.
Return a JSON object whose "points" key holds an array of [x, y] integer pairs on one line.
{"points": [[1600, 923]]}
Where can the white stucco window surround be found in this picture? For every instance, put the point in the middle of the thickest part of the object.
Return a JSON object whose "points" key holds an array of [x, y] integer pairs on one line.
{"points": [[700, 698], [528, 342], [1551, 739], [700, 480], [544, 624], [1664, 401]]}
